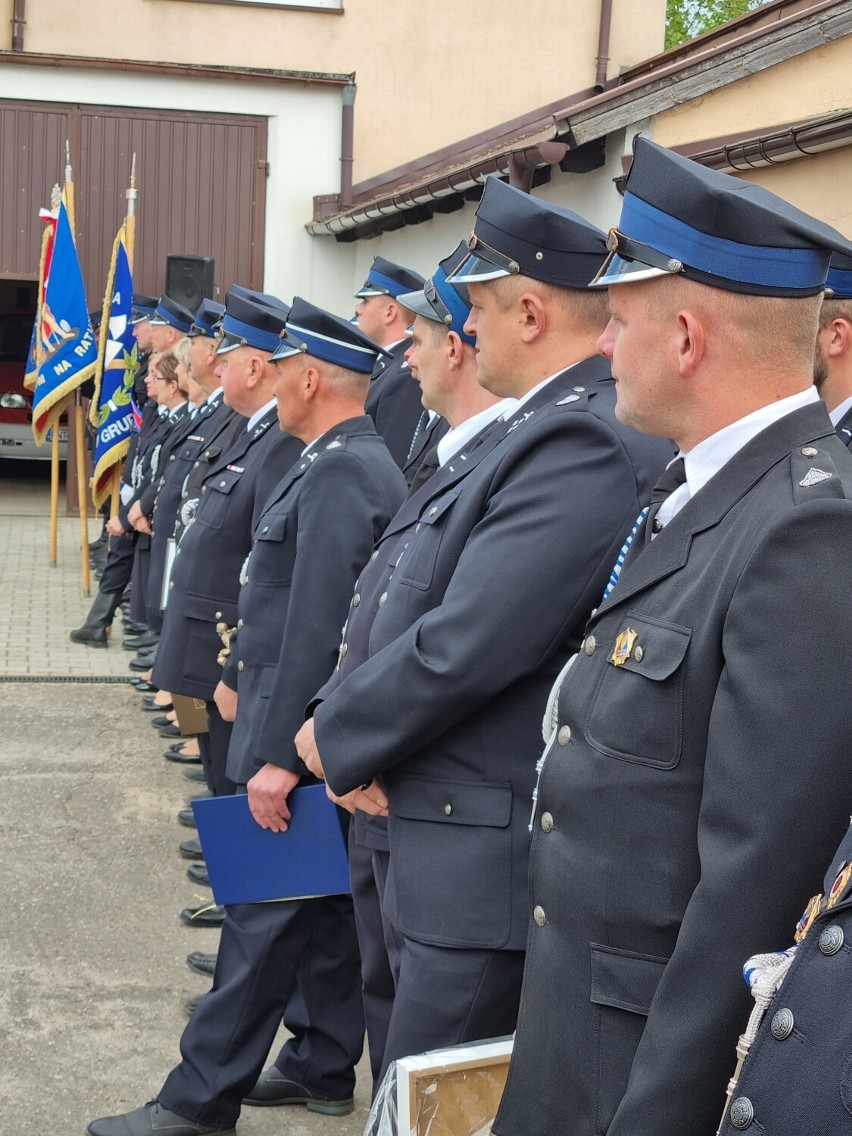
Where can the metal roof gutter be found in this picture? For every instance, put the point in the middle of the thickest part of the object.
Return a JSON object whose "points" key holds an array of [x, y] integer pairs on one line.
{"points": [[675, 77], [181, 70]]}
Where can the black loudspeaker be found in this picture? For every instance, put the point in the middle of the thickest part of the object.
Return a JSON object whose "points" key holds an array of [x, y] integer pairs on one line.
{"points": [[189, 279]]}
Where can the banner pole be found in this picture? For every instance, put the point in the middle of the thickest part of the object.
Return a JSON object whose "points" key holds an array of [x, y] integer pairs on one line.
{"points": [[54, 492], [82, 494]]}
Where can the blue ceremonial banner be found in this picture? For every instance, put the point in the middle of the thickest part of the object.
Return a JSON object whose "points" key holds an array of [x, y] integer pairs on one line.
{"points": [[66, 350], [111, 412]]}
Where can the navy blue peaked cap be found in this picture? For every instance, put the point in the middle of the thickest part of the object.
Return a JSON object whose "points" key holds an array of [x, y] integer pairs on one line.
{"points": [[247, 323], [169, 311], [839, 282], [515, 232], [439, 301], [207, 319], [264, 298], [388, 279], [311, 330], [680, 217], [142, 307]]}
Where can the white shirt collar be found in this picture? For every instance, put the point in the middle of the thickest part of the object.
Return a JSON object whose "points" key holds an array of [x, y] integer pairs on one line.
{"points": [[708, 457], [258, 414], [162, 411], [456, 439], [839, 411]]}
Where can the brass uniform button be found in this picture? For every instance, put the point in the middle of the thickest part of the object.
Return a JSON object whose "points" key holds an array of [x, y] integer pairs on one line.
{"points": [[539, 916], [241, 666], [589, 644], [564, 735], [809, 452], [356, 599], [383, 599], [448, 810], [546, 822], [638, 654]]}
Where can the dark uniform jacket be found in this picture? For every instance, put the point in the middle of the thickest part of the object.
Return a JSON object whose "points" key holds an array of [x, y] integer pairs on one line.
{"points": [[199, 442], [315, 532], [205, 579], [223, 429], [393, 402], [798, 1075], [426, 438], [690, 795], [844, 429], [509, 552]]}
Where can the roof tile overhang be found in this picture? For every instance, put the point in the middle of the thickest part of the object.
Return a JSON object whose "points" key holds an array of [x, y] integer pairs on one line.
{"points": [[183, 70], [442, 181]]}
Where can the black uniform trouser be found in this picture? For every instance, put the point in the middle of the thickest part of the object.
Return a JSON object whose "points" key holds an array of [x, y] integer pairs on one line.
{"points": [[213, 748], [302, 953], [447, 996], [378, 942], [119, 564]]}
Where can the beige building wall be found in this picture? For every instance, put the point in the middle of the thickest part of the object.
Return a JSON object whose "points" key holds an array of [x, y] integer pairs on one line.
{"points": [[813, 85], [809, 86], [428, 74]]}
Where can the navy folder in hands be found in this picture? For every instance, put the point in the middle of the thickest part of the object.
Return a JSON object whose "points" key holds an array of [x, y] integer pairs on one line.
{"points": [[250, 864]]}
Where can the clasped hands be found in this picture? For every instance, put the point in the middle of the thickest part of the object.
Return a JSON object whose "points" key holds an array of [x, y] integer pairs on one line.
{"points": [[369, 798]]}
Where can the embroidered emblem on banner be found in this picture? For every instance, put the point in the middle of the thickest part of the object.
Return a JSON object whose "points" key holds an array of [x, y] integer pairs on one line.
{"points": [[814, 477]]}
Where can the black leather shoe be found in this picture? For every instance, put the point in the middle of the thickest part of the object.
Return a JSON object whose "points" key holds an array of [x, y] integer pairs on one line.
{"points": [[140, 642], [142, 686], [170, 730], [131, 628], [141, 663], [152, 1120], [182, 758], [204, 964], [198, 874], [190, 1004], [195, 774], [150, 705], [208, 915], [274, 1088], [186, 817], [191, 849], [161, 721]]}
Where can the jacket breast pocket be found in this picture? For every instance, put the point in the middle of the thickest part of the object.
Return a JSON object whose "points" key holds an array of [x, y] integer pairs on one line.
{"points": [[271, 559], [215, 502], [637, 713], [418, 562], [623, 986], [451, 845]]}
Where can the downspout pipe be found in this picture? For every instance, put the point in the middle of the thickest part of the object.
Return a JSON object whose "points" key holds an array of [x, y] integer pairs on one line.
{"points": [[603, 45], [347, 145], [19, 20], [523, 163]]}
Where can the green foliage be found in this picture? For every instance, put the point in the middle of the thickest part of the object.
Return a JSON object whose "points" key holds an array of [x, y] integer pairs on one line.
{"points": [[686, 19]]}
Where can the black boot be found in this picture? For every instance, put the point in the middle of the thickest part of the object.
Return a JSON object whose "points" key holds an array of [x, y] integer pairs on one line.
{"points": [[94, 631]]}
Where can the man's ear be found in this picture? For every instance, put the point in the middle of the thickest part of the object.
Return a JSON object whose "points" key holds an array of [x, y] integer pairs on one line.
{"points": [[841, 337], [690, 342], [533, 316]]}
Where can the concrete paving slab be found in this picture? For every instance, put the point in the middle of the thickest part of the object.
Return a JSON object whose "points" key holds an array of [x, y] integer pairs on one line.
{"points": [[92, 953]]}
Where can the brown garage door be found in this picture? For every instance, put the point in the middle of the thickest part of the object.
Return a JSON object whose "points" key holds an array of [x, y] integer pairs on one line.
{"points": [[201, 182]]}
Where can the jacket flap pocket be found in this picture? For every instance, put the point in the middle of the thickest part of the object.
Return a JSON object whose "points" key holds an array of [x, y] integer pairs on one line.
{"points": [[224, 481], [436, 509], [624, 979], [649, 647], [271, 527], [486, 803], [210, 610]]}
